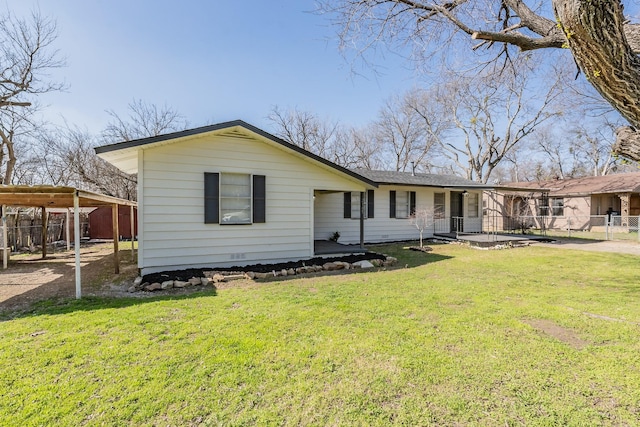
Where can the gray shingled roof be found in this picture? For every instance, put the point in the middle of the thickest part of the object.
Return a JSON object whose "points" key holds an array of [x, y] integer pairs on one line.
{"points": [[608, 184], [420, 179]]}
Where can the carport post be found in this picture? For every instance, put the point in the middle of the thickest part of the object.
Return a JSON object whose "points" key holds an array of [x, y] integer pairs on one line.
{"points": [[76, 241], [5, 242], [68, 230], [116, 229], [44, 232]]}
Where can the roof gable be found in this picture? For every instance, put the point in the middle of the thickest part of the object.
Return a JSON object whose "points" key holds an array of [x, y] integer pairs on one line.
{"points": [[124, 154]]}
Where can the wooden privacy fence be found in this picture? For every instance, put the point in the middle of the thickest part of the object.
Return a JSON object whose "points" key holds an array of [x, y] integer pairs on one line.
{"points": [[24, 229]]}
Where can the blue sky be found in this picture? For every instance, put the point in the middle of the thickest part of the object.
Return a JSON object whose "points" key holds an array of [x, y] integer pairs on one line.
{"points": [[212, 61]]}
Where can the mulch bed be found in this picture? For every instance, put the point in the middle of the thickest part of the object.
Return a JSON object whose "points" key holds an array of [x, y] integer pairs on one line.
{"points": [[187, 274]]}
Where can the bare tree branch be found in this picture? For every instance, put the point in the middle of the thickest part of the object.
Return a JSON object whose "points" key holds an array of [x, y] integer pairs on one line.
{"points": [[604, 44]]}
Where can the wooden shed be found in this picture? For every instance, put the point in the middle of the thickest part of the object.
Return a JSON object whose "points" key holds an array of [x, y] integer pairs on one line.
{"points": [[101, 220]]}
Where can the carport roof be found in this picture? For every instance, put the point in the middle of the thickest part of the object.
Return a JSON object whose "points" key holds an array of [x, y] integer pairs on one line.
{"points": [[55, 197]]}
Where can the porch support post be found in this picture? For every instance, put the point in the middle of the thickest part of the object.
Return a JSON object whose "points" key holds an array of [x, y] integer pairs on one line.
{"points": [[5, 242], [114, 222], [44, 232], [362, 213], [624, 208], [76, 241]]}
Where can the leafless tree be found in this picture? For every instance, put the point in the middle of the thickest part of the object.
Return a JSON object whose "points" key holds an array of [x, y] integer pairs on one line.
{"points": [[144, 120], [479, 120], [358, 148], [593, 147], [44, 161], [348, 147], [400, 131], [562, 159], [604, 44], [422, 218], [27, 55], [306, 130], [87, 170]]}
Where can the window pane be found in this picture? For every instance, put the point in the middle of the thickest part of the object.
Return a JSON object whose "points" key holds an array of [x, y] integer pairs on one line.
{"points": [[543, 205], [235, 185], [402, 204], [438, 205], [472, 205], [235, 198], [355, 204], [558, 206]]}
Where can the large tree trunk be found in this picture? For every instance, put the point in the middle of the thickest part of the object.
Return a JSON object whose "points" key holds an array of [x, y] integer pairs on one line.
{"points": [[7, 141], [596, 36]]}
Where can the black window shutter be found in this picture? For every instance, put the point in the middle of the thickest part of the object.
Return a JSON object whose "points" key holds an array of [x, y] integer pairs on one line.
{"points": [[347, 205], [370, 203], [259, 199], [412, 203], [211, 195], [392, 204]]}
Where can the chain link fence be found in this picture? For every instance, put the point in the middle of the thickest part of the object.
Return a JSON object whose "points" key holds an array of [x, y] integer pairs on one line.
{"points": [[598, 227]]}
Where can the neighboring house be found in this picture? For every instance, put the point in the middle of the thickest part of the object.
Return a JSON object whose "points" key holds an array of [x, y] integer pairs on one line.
{"points": [[453, 202], [231, 194], [577, 203]]}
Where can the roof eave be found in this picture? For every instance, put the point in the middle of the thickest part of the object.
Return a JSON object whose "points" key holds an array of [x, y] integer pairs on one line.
{"points": [[135, 145]]}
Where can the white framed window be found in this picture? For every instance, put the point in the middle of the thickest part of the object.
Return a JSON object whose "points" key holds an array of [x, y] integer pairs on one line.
{"points": [[438, 205], [235, 198], [352, 204], [472, 205], [557, 206], [543, 205], [355, 205], [403, 200]]}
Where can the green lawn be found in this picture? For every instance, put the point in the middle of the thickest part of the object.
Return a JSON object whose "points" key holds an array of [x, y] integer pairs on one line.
{"points": [[527, 336]]}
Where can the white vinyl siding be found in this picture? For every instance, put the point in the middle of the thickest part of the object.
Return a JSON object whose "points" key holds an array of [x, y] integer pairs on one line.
{"points": [[175, 235], [381, 228]]}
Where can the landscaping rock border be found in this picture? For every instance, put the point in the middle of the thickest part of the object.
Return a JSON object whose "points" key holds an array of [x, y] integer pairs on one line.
{"points": [[204, 277]]}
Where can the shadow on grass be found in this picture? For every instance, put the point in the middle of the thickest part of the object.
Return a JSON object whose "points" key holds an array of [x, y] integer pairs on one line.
{"points": [[31, 280], [408, 258], [57, 306], [56, 296]]}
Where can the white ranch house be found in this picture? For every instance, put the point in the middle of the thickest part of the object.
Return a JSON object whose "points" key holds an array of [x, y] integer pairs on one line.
{"points": [[231, 194]]}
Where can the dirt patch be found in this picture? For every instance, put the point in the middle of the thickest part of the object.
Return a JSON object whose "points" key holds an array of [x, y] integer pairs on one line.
{"points": [[558, 332], [30, 278]]}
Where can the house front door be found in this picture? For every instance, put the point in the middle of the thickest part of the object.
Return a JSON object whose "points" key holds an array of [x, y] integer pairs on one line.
{"points": [[457, 224]]}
